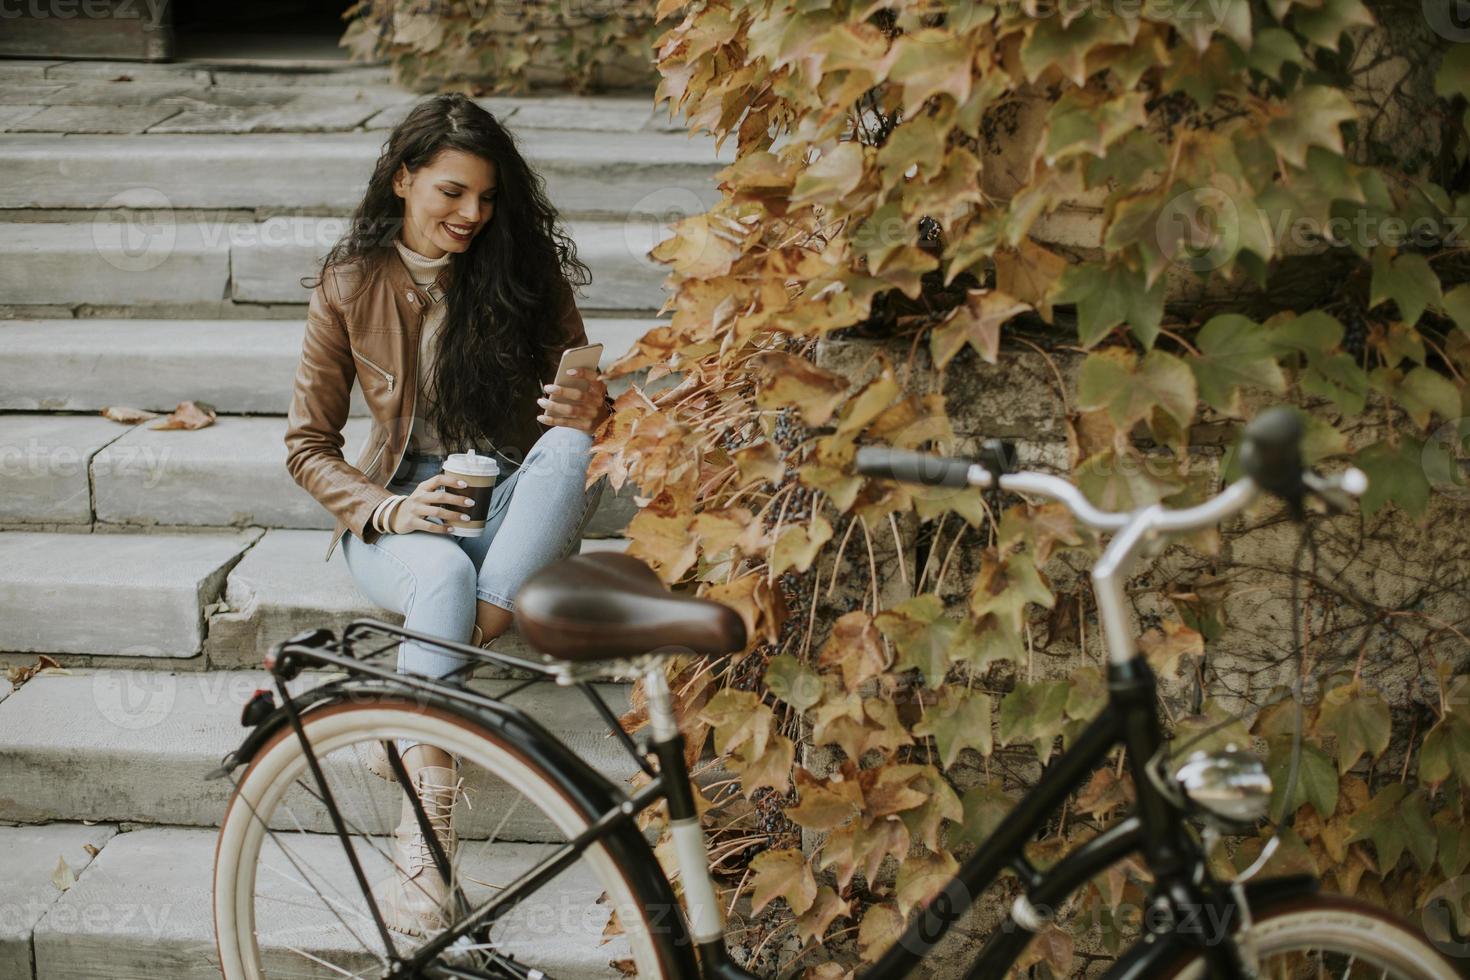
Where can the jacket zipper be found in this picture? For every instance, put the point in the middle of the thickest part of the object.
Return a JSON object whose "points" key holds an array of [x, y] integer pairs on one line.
{"points": [[370, 364]]}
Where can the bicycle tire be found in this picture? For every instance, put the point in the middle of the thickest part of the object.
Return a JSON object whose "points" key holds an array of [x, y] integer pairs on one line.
{"points": [[1345, 926], [280, 764]]}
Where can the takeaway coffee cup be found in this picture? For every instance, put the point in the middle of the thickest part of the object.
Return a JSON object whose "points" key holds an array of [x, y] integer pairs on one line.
{"points": [[479, 473]]}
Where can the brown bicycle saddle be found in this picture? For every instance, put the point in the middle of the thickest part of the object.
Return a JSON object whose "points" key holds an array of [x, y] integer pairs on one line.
{"points": [[611, 606]]}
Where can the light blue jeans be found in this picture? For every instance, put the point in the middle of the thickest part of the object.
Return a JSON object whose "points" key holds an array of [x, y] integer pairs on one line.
{"points": [[538, 511]]}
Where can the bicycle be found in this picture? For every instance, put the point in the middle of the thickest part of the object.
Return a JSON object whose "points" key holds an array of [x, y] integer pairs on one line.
{"points": [[596, 613]]}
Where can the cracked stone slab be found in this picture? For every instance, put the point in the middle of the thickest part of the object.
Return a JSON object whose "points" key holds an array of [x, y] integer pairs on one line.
{"points": [[44, 466], [94, 119], [137, 745], [13, 115], [231, 473], [600, 172], [145, 910], [139, 595], [29, 858], [133, 71], [269, 259], [238, 366], [151, 258]]}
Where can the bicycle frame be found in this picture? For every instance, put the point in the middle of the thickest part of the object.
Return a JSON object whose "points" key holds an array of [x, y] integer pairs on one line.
{"points": [[1184, 889]]}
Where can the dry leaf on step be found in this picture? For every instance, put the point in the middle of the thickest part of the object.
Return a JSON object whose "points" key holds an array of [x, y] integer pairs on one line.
{"points": [[62, 877], [127, 416], [92, 849], [188, 415], [19, 675]]}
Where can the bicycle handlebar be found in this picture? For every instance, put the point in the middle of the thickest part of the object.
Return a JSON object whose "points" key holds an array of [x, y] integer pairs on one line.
{"points": [[1270, 455]]}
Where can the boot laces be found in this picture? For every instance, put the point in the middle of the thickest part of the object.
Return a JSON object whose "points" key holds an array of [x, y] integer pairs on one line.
{"points": [[438, 802]]}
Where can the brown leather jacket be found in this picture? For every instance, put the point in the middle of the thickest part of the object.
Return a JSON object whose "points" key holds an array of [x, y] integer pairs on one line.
{"points": [[373, 334]]}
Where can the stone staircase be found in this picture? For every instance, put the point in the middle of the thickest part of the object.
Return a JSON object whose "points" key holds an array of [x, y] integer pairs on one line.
{"points": [[156, 221]]}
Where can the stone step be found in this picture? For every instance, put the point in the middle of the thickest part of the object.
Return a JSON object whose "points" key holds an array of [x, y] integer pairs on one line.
{"points": [[137, 745], [29, 858], [282, 587], [153, 263], [239, 367], [587, 174], [118, 595], [144, 909], [144, 598], [229, 474]]}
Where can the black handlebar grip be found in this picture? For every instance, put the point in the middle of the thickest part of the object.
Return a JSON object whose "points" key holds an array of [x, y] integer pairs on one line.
{"points": [[1271, 453], [908, 466]]}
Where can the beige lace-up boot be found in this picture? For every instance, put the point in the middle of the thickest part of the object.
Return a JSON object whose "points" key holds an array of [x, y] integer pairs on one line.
{"points": [[414, 899]]}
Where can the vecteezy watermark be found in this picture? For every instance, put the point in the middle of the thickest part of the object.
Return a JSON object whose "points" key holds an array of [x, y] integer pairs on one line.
{"points": [[1204, 227], [142, 237], [138, 229], [149, 11], [1450, 19], [1446, 917], [137, 700], [131, 461], [1446, 458]]}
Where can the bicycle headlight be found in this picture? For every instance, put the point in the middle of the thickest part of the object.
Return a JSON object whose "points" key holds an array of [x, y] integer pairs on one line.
{"points": [[1232, 785]]}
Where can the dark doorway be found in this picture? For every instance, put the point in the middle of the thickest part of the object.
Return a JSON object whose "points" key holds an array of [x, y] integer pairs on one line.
{"points": [[260, 31]]}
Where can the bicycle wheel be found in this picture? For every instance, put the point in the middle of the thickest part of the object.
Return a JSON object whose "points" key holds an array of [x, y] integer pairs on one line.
{"points": [[1331, 936], [288, 904]]}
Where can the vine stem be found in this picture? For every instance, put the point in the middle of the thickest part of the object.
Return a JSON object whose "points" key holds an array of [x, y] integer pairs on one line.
{"points": [[1051, 363], [837, 561], [872, 562], [898, 549], [1180, 341], [929, 561]]}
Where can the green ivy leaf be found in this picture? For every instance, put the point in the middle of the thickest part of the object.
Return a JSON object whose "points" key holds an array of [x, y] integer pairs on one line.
{"points": [[793, 682], [1394, 475], [1424, 392], [1235, 352], [1446, 751], [1088, 693], [1272, 48], [1406, 279], [1310, 117], [1316, 778], [1453, 837], [1359, 718], [1324, 22], [1392, 820], [1034, 713], [1130, 389], [1109, 295], [986, 807], [961, 720], [1453, 77], [1457, 302]]}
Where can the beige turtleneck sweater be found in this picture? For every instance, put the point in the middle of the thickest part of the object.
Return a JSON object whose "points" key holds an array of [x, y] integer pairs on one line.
{"points": [[422, 436]]}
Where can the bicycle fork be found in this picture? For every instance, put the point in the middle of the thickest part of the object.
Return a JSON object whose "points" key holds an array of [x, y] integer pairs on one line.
{"points": [[706, 925]]}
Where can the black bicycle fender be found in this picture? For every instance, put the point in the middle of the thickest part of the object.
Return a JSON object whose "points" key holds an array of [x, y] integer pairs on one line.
{"points": [[1151, 953], [590, 791]]}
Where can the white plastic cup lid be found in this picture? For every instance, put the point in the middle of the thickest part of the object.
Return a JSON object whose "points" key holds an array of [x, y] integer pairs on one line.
{"points": [[472, 463]]}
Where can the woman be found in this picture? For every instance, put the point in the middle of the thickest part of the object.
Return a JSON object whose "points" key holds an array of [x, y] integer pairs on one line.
{"points": [[449, 301]]}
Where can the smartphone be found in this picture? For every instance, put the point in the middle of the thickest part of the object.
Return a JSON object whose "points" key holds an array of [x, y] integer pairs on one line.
{"points": [[585, 359]]}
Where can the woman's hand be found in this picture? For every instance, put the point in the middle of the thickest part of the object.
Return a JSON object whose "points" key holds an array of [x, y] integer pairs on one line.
{"points": [[426, 501], [579, 404]]}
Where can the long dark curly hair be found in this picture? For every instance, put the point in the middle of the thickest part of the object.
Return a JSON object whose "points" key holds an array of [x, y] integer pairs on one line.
{"points": [[504, 291]]}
